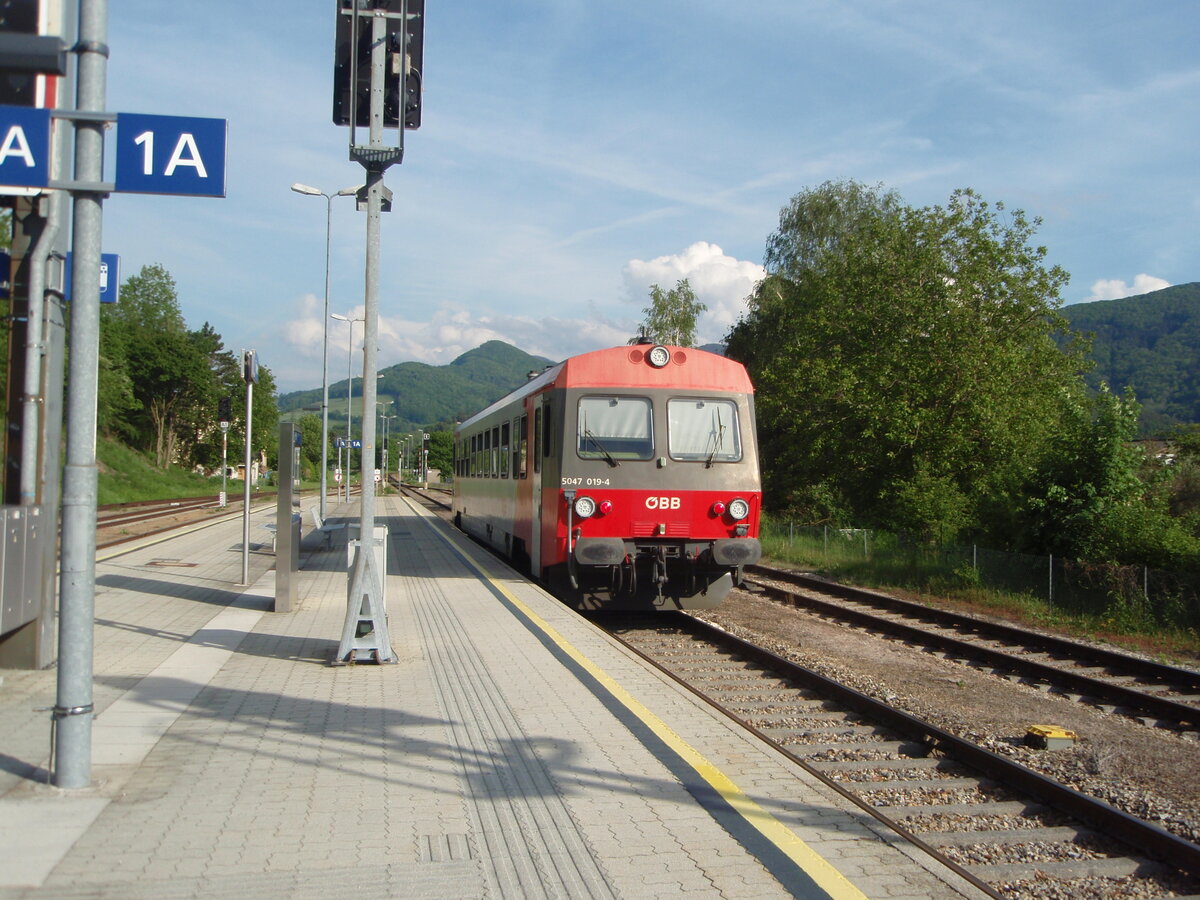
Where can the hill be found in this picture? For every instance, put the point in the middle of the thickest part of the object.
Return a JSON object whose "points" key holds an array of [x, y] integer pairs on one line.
{"points": [[1151, 343], [423, 394]]}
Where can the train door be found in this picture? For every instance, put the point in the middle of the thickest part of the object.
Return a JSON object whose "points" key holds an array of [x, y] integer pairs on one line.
{"points": [[535, 477]]}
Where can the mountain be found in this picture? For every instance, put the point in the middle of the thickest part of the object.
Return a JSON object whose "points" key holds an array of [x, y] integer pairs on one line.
{"points": [[424, 394], [1151, 343]]}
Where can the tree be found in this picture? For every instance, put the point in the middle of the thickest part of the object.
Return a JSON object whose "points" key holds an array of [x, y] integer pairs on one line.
{"points": [[441, 452], [159, 383], [904, 358], [167, 366], [671, 315], [1097, 496]]}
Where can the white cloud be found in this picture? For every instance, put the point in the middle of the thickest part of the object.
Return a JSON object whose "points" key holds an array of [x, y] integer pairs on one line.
{"points": [[448, 333], [1115, 288], [720, 281]]}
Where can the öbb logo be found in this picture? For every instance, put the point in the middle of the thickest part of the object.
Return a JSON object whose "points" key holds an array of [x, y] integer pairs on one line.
{"points": [[662, 503]]}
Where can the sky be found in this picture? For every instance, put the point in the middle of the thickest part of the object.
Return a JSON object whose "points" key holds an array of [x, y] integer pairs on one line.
{"points": [[572, 154]]}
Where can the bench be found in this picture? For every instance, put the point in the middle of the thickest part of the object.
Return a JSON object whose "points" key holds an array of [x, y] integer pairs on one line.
{"points": [[324, 527]]}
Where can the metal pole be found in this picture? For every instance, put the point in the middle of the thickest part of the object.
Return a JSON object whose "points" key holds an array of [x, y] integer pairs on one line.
{"points": [[35, 351], [246, 488], [349, 400], [224, 462], [349, 394], [325, 363], [73, 710], [313, 192]]}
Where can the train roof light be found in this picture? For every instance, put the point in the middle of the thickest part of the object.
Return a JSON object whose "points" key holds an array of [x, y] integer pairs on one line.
{"points": [[658, 356]]}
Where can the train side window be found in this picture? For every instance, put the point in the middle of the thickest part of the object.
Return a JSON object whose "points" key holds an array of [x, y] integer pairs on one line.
{"points": [[537, 439], [703, 429], [547, 431], [615, 428], [496, 451], [523, 448], [505, 444]]}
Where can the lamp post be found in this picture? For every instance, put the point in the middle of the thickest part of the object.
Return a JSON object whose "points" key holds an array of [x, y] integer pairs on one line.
{"points": [[387, 427], [349, 390], [313, 192]]}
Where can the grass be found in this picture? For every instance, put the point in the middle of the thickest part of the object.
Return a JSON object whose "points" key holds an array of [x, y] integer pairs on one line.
{"points": [[126, 476], [1122, 624]]}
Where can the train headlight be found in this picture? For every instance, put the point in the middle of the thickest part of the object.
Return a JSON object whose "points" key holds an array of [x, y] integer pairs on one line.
{"points": [[585, 507], [738, 509], [659, 356]]}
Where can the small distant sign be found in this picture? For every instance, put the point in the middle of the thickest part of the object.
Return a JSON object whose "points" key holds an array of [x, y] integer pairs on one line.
{"points": [[110, 276]]}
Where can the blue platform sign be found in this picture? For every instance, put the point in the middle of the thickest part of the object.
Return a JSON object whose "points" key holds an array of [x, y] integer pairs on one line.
{"points": [[24, 146], [110, 276], [170, 155]]}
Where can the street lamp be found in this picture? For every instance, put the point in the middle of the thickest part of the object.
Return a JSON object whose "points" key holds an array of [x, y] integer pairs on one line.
{"points": [[387, 427], [313, 192], [349, 389]]}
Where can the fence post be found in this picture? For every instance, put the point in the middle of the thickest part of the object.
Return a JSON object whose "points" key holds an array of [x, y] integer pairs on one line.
{"points": [[826, 527], [866, 553], [1051, 597], [791, 531], [975, 557]]}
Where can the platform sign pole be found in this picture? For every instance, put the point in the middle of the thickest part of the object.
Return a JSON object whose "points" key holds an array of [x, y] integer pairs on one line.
{"points": [[250, 373], [73, 710], [224, 463]]}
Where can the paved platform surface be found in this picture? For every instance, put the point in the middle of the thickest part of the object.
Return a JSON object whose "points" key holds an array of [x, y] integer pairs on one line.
{"points": [[512, 750]]}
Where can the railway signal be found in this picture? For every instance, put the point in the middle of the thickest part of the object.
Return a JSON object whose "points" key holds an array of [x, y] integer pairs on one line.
{"points": [[404, 41], [377, 83]]}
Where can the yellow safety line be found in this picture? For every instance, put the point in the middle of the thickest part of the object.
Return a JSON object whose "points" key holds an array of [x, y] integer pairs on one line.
{"points": [[829, 879]]}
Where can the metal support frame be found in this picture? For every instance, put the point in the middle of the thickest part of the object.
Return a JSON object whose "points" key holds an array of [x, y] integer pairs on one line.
{"points": [[73, 711]]}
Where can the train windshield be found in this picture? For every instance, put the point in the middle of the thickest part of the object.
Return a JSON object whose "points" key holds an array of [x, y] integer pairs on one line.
{"points": [[703, 430], [615, 428]]}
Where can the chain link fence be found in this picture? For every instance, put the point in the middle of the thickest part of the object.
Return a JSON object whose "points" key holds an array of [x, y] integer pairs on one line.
{"points": [[1131, 597]]}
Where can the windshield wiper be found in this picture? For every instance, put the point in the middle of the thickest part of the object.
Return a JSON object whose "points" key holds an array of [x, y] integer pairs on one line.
{"points": [[587, 433], [718, 442]]}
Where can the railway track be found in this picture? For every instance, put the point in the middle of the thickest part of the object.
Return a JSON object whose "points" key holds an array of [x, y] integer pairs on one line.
{"points": [[435, 496], [121, 522], [1156, 693], [1012, 830], [125, 513]]}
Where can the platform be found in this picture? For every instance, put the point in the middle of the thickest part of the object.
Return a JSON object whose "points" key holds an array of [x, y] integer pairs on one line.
{"points": [[512, 750]]}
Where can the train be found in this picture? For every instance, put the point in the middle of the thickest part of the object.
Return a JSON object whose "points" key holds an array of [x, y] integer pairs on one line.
{"points": [[621, 479]]}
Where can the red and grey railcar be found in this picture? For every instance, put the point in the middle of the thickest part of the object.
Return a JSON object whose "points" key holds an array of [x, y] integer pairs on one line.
{"points": [[625, 478]]}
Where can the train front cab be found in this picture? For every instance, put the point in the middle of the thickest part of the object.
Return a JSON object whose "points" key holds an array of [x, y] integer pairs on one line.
{"points": [[650, 497]]}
